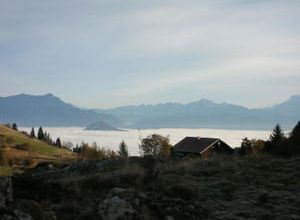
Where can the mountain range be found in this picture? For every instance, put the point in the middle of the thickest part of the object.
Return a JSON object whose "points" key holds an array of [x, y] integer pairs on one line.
{"points": [[49, 110], [208, 114]]}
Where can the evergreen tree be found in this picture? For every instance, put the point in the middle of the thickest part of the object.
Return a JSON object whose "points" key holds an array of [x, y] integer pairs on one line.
{"points": [[294, 141], [41, 135], [295, 134], [14, 126], [32, 133], [277, 136], [58, 142], [45, 136], [123, 150]]}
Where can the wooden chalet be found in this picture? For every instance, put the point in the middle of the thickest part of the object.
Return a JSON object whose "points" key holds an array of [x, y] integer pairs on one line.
{"points": [[204, 147]]}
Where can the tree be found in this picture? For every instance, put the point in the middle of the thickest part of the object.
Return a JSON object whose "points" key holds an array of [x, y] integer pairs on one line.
{"points": [[258, 146], [277, 136], [58, 142], [246, 147], [155, 145], [14, 126], [295, 134], [46, 136], [277, 142], [41, 135], [77, 149], [293, 145], [123, 150], [32, 133]]}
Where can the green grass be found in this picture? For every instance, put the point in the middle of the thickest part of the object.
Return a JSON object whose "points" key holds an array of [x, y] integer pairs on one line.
{"points": [[5, 170]]}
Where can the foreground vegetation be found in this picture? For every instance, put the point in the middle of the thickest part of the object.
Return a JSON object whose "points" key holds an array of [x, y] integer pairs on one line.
{"points": [[250, 187]]}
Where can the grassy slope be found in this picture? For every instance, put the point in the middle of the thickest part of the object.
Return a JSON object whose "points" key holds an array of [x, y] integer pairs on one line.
{"points": [[38, 150]]}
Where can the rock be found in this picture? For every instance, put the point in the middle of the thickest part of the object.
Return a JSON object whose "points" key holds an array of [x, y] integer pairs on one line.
{"points": [[115, 208], [142, 196], [169, 210], [168, 217], [122, 193], [190, 208], [136, 203], [6, 193], [22, 216], [34, 209], [15, 215], [51, 215]]}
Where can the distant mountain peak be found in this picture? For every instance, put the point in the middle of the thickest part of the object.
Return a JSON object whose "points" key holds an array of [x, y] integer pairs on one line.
{"points": [[294, 98], [46, 110], [49, 95]]}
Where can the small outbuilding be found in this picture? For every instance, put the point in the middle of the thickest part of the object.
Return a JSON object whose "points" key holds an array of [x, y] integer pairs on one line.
{"points": [[198, 146]]}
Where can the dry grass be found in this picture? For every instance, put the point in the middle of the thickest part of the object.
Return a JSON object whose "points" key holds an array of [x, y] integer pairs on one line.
{"points": [[254, 187], [22, 152]]}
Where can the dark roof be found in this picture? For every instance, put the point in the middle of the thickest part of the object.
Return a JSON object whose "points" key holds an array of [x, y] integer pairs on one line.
{"points": [[194, 144]]}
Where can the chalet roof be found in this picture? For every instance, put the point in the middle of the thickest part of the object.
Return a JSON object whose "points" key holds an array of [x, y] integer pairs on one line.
{"points": [[194, 144]]}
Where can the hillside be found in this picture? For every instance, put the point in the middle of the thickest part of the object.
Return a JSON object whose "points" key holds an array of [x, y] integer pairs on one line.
{"points": [[101, 126], [47, 110], [21, 152]]}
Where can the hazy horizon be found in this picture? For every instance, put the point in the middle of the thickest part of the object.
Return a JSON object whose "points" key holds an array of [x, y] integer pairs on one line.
{"points": [[103, 54]]}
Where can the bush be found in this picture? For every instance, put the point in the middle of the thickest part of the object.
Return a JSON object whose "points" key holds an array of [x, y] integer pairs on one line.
{"points": [[93, 152], [28, 161], [24, 146], [183, 191], [3, 158], [10, 140], [149, 164], [2, 140]]}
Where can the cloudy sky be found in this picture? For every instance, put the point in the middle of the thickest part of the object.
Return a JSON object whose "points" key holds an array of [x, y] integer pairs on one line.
{"points": [[108, 53]]}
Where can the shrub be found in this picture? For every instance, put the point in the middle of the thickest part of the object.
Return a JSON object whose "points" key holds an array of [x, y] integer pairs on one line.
{"points": [[93, 152], [2, 140], [149, 163], [3, 158], [183, 191], [28, 161], [24, 146], [10, 140]]}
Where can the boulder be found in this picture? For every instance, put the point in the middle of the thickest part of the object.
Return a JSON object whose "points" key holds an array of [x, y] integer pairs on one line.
{"points": [[34, 209], [6, 193], [16, 215], [115, 208], [122, 193]]}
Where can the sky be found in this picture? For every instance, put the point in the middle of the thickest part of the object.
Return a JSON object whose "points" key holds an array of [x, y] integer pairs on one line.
{"points": [[102, 54]]}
